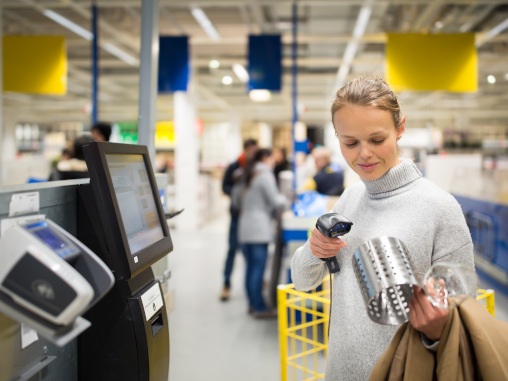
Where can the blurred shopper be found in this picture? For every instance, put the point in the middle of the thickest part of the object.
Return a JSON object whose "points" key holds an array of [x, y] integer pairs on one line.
{"points": [[232, 175], [329, 179], [281, 162], [75, 167], [101, 132], [257, 198], [393, 199]]}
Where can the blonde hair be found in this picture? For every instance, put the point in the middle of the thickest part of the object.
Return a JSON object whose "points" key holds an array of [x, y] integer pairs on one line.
{"points": [[363, 91]]}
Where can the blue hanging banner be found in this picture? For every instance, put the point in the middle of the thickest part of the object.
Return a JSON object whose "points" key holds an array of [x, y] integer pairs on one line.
{"points": [[265, 62], [174, 64]]}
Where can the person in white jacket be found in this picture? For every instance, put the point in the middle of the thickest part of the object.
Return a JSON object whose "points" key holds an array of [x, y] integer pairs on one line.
{"points": [[257, 198], [393, 199]]}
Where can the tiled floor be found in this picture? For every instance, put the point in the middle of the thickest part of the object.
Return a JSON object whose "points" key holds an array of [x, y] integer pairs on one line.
{"points": [[219, 341]]}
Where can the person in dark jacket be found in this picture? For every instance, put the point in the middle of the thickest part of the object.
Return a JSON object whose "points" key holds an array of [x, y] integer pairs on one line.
{"points": [[232, 174], [281, 162], [329, 179]]}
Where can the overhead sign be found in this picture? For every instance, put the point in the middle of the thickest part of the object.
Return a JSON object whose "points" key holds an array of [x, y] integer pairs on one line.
{"points": [[430, 62], [174, 64], [35, 64], [265, 62]]}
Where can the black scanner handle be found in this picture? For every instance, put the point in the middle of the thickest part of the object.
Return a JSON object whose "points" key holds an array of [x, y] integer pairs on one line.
{"points": [[333, 225], [332, 263]]}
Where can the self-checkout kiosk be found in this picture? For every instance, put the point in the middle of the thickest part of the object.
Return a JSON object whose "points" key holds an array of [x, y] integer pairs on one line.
{"points": [[121, 219]]}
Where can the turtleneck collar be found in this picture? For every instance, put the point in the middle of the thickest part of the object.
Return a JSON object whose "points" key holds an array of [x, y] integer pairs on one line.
{"points": [[394, 181]]}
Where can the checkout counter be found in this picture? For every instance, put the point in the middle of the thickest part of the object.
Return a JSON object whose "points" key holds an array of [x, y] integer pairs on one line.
{"points": [[115, 323]]}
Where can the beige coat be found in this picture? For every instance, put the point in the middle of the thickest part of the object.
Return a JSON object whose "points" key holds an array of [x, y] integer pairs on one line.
{"points": [[473, 347]]}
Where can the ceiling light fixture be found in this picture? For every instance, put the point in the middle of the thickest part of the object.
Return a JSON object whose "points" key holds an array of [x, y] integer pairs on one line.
{"points": [[214, 64], [68, 24], [497, 29], [352, 46], [260, 95], [87, 35], [240, 72], [362, 21], [205, 23], [120, 54], [491, 79], [227, 80]]}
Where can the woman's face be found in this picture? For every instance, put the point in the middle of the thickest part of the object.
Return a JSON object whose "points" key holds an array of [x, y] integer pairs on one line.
{"points": [[368, 139]]}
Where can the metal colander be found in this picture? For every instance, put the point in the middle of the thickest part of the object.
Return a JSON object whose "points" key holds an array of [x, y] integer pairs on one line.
{"points": [[385, 275]]}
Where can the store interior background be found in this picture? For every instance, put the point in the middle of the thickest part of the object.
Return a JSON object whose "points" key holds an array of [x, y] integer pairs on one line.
{"points": [[459, 140]]}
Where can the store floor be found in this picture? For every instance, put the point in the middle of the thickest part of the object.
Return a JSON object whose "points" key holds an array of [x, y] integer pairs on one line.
{"points": [[213, 340]]}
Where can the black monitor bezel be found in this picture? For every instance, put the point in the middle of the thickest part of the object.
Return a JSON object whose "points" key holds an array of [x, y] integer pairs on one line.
{"points": [[124, 266]]}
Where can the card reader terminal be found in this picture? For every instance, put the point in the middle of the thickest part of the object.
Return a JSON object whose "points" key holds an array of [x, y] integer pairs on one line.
{"points": [[36, 275]]}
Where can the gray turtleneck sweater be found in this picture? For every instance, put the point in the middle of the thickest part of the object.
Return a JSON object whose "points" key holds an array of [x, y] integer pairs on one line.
{"points": [[399, 204]]}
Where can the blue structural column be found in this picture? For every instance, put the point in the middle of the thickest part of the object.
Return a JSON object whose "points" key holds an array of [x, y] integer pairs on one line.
{"points": [[95, 60], [294, 71], [148, 72]]}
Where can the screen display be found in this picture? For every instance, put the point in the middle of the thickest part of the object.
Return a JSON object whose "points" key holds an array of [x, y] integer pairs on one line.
{"points": [[136, 201], [63, 247]]}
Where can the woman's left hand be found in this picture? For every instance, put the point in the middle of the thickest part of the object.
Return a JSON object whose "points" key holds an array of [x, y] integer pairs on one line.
{"points": [[426, 318]]}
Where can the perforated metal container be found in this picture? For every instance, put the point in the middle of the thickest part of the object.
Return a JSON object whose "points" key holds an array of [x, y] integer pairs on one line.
{"points": [[385, 275]]}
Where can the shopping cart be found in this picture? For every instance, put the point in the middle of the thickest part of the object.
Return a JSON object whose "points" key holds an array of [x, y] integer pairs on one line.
{"points": [[303, 330]]}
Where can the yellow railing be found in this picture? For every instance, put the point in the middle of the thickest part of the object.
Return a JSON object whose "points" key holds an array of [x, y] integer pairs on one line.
{"points": [[488, 299], [303, 330]]}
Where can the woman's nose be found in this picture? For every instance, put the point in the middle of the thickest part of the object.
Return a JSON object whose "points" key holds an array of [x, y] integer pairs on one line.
{"points": [[365, 151]]}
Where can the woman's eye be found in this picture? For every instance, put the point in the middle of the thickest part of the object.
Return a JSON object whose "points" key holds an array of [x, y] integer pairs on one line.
{"points": [[378, 141], [350, 144]]}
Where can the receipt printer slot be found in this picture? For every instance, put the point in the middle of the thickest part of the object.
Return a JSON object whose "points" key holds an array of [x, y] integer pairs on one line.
{"points": [[157, 324]]}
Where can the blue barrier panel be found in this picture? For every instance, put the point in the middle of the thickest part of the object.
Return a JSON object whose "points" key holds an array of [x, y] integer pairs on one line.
{"points": [[488, 224]]}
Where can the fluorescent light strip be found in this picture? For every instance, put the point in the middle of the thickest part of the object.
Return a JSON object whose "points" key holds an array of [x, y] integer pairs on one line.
{"points": [[120, 54], [240, 72], [352, 46], [497, 29], [205, 23], [68, 24], [65, 22], [362, 21]]}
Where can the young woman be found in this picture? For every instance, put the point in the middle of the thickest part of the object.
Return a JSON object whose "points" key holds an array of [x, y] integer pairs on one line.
{"points": [[393, 199], [257, 198]]}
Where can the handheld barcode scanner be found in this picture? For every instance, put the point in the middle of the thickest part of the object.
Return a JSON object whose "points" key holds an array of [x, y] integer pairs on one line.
{"points": [[333, 225]]}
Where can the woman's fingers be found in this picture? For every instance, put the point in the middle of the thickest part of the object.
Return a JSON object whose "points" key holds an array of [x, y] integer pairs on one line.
{"points": [[324, 247], [425, 317]]}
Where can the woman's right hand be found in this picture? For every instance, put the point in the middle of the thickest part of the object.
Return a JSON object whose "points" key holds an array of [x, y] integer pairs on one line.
{"points": [[322, 246]]}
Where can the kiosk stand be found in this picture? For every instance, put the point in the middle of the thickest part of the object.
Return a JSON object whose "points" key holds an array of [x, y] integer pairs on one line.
{"points": [[120, 218]]}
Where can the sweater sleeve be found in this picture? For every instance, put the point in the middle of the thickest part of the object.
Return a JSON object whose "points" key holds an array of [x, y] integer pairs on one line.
{"points": [[452, 241], [307, 271]]}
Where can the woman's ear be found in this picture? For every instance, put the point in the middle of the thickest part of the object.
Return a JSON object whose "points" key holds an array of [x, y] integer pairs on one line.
{"points": [[402, 128]]}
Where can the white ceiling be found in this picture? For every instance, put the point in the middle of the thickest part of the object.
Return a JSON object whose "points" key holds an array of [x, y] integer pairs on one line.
{"points": [[324, 29]]}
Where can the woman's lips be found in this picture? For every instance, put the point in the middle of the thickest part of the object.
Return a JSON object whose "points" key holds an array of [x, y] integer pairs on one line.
{"points": [[368, 167]]}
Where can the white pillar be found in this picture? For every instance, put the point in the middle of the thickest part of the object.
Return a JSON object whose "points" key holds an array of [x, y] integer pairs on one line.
{"points": [[186, 162], [235, 143]]}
